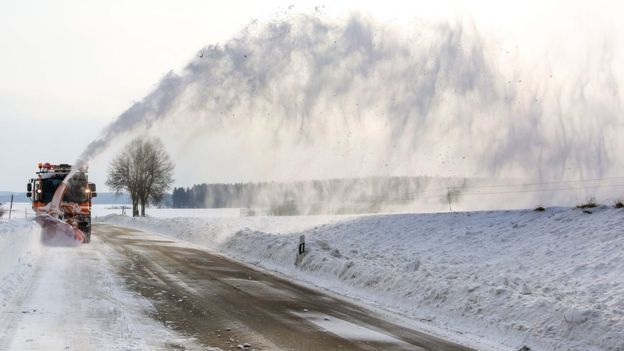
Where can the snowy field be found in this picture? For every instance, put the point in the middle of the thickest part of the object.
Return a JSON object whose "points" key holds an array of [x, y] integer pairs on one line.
{"points": [[551, 280], [23, 210]]}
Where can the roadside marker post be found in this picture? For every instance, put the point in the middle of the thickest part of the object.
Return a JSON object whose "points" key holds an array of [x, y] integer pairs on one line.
{"points": [[301, 250], [11, 207], [302, 244]]}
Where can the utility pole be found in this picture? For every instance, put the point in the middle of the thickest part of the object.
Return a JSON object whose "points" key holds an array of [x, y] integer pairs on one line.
{"points": [[448, 195], [11, 207]]}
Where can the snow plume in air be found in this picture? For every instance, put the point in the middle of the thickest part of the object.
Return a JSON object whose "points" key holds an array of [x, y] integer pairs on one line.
{"points": [[312, 98]]}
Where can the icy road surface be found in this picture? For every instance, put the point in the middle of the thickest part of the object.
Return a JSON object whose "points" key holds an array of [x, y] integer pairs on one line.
{"points": [[221, 303]]}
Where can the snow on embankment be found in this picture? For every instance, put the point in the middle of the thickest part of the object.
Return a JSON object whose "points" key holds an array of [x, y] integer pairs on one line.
{"points": [[19, 250], [552, 280]]}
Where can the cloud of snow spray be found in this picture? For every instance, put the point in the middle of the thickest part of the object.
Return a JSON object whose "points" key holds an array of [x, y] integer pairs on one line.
{"points": [[311, 98]]}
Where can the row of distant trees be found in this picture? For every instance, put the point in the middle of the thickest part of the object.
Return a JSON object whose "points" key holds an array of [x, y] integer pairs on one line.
{"points": [[305, 197]]}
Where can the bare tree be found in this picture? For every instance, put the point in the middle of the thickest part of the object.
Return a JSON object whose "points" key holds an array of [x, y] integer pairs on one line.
{"points": [[157, 171], [122, 174], [144, 170]]}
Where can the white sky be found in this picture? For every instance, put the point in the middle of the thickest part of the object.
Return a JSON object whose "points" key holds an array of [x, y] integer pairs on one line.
{"points": [[67, 68]]}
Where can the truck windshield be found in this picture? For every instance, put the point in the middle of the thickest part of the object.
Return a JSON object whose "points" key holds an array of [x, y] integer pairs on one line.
{"points": [[48, 187], [75, 193]]}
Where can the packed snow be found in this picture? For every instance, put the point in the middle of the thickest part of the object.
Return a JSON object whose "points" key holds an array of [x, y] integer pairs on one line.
{"points": [[348, 330], [551, 280]]}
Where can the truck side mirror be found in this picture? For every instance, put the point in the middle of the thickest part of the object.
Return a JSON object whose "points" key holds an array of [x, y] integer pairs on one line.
{"points": [[29, 194], [29, 187], [92, 188], [93, 194]]}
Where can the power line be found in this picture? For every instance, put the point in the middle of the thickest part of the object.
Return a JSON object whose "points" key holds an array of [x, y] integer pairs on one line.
{"points": [[543, 190], [448, 193], [443, 191], [547, 183]]}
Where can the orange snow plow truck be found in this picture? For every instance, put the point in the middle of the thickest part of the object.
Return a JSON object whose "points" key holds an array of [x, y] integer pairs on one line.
{"points": [[61, 198]]}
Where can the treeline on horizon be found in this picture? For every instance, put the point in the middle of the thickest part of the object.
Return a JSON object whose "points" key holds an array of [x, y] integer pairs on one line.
{"points": [[304, 197]]}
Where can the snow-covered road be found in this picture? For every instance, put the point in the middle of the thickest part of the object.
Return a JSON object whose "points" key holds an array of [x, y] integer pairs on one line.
{"points": [[132, 290], [225, 303], [68, 298]]}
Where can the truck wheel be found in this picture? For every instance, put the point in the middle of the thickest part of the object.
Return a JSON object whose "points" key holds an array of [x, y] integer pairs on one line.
{"points": [[87, 233]]}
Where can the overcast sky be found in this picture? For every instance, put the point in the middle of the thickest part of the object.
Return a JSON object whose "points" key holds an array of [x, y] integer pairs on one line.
{"points": [[68, 68]]}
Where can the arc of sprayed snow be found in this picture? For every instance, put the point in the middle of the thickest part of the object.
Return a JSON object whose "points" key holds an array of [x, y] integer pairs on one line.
{"points": [[144, 113]]}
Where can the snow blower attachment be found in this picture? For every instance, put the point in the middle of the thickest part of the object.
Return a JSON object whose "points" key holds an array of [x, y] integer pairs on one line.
{"points": [[61, 198], [56, 232]]}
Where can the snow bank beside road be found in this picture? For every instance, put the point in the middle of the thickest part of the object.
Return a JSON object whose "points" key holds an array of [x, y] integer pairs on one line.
{"points": [[551, 280], [19, 250]]}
